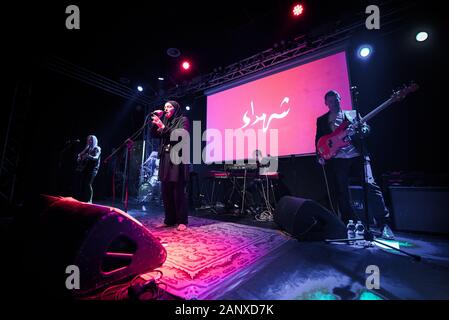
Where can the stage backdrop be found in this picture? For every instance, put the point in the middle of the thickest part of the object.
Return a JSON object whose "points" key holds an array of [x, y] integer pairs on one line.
{"points": [[289, 101]]}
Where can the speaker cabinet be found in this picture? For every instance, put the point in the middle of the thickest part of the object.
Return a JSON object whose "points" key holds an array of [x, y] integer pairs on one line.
{"points": [[420, 209], [106, 244], [307, 220]]}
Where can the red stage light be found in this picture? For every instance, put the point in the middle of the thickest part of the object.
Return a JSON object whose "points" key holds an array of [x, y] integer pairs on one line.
{"points": [[186, 65], [298, 9]]}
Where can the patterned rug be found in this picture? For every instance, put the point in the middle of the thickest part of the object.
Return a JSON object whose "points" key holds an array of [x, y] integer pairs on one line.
{"points": [[206, 257]]}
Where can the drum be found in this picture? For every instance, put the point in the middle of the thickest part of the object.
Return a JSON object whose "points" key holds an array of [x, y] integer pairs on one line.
{"points": [[154, 181], [150, 188], [149, 191], [144, 192]]}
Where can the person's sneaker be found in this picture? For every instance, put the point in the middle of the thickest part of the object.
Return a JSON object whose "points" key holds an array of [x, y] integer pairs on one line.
{"points": [[181, 227], [387, 233]]}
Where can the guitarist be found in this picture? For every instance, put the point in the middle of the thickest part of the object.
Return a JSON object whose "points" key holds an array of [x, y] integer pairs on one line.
{"points": [[88, 165], [348, 158]]}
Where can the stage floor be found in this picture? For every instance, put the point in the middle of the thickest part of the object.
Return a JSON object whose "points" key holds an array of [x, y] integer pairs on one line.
{"points": [[239, 258]]}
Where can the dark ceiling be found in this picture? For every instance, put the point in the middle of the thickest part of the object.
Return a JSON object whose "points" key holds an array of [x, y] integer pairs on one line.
{"points": [[129, 40]]}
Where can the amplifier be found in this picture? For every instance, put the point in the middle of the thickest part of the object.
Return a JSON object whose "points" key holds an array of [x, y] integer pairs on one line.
{"points": [[420, 209]]}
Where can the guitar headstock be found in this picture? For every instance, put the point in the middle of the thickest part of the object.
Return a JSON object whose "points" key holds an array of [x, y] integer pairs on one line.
{"points": [[402, 93]]}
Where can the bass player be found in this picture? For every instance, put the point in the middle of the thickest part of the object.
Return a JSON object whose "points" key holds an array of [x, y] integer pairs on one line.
{"points": [[348, 160]]}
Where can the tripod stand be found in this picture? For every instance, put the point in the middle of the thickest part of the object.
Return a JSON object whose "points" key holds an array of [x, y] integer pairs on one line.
{"points": [[368, 235]]}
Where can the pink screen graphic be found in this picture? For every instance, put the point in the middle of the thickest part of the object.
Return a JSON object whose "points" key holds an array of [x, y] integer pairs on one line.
{"points": [[289, 101]]}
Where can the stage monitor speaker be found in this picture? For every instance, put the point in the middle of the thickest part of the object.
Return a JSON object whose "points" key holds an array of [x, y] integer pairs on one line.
{"points": [[307, 220], [106, 244], [420, 209]]}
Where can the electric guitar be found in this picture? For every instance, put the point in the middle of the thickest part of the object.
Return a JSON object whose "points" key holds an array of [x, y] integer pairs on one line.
{"points": [[81, 162], [329, 145]]}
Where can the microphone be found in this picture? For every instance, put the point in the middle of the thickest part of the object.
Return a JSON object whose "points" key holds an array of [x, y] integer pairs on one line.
{"points": [[73, 141], [154, 113]]}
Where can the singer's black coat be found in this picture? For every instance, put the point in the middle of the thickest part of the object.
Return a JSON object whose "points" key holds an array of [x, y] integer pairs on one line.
{"points": [[169, 172]]}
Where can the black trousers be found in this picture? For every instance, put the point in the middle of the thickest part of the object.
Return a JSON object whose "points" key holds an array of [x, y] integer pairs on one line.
{"points": [[175, 202], [339, 172], [86, 181]]}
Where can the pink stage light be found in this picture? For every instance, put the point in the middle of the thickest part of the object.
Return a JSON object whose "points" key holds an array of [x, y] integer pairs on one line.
{"points": [[298, 9], [186, 65]]}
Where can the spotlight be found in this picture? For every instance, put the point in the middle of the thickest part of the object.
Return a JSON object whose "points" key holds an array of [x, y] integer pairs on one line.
{"points": [[364, 52], [298, 9], [186, 65], [173, 52], [160, 79], [188, 108], [422, 36], [140, 88]]}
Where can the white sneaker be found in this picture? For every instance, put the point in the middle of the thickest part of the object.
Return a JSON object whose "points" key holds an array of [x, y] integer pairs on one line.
{"points": [[387, 233]]}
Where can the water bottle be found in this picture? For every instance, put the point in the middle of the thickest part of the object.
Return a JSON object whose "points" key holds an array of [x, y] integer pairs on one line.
{"points": [[351, 229], [360, 232]]}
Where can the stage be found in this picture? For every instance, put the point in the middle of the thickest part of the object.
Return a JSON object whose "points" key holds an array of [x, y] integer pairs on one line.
{"points": [[263, 263], [270, 127]]}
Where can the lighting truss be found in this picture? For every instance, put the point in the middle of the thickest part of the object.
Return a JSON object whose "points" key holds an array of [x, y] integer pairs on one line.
{"points": [[334, 35], [74, 71]]}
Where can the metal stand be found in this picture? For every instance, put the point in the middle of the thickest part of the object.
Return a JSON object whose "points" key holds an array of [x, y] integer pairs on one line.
{"points": [[368, 235], [67, 145], [129, 144]]}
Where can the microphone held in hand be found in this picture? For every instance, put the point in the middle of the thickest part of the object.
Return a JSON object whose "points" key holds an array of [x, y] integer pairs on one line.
{"points": [[158, 113]]}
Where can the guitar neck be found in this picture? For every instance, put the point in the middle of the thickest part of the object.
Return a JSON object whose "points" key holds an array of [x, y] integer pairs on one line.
{"points": [[377, 110]]}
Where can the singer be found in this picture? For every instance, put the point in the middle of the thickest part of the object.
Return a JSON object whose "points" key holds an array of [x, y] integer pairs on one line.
{"points": [[173, 177], [88, 166]]}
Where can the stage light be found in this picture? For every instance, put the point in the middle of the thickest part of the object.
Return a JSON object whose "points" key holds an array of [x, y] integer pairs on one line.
{"points": [[364, 52], [160, 79], [188, 108], [186, 65], [140, 88], [422, 36], [298, 9]]}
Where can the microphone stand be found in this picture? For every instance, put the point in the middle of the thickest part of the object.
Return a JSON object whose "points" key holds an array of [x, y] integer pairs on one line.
{"points": [[129, 142], [67, 145], [61, 184]]}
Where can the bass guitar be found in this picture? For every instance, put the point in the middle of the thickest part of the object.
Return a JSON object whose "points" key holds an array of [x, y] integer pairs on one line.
{"points": [[329, 145]]}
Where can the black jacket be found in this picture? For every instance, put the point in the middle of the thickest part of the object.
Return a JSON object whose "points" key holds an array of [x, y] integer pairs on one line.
{"points": [[167, 170]]}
